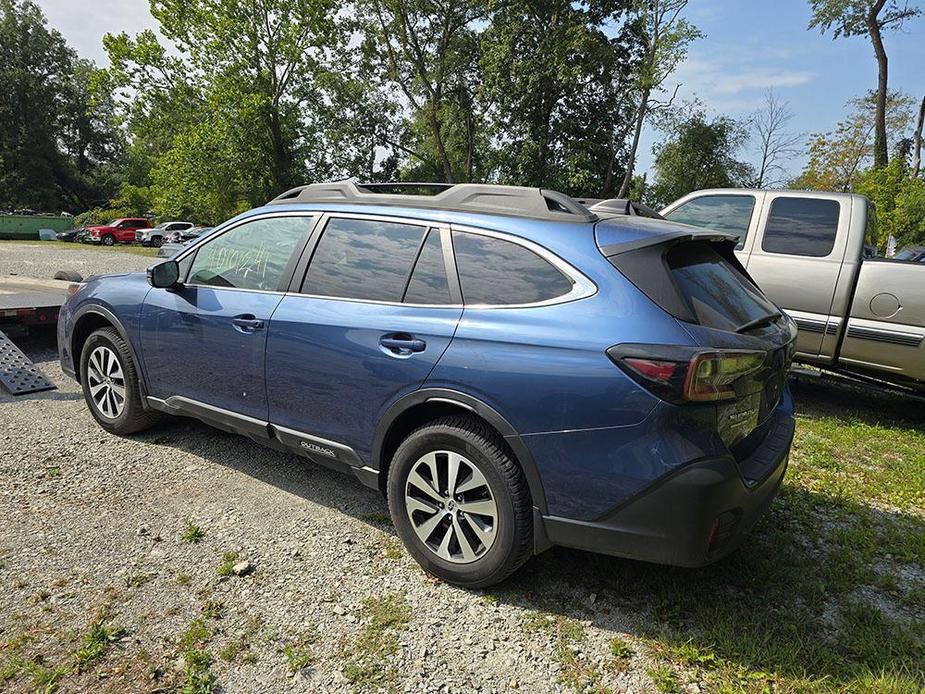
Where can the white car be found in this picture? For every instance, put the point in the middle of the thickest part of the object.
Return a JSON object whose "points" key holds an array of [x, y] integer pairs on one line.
{"points": [[157, 235]]}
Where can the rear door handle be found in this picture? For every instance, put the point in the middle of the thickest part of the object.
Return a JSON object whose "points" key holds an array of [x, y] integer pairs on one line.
{"points": [[247, 323], [402, 344]]}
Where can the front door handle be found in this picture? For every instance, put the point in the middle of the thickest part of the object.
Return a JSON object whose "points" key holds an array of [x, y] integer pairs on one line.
{"points": [[402, 344], [247, 323]]}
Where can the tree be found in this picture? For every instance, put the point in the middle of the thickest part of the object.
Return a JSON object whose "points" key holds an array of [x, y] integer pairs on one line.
{"points": [[917, 142], [698, 154], [557, 77], [54, 134], [428, 50], [775, 142], [867, 18], [899, 201], [835, 158], [666, 37]]}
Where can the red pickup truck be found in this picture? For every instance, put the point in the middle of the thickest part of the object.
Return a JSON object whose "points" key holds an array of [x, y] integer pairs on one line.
{"points": [[117, 231]]}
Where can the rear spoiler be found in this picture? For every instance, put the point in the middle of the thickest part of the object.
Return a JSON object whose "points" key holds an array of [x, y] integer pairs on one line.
{"points": [[672, 237]]}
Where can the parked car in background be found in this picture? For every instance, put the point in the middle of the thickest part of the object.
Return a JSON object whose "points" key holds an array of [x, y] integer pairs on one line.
{"points": [[912, 254], [157, 235], [859, 315], [185, 235], [512, 369], [70, 235], [117, 231]]}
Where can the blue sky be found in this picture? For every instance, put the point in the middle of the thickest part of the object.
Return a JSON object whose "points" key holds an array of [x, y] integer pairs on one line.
{"points": [[749, 45]]}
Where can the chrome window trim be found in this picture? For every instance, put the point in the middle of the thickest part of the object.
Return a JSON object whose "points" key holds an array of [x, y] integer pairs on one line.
{"points": [[582, 287], [215, 234]]}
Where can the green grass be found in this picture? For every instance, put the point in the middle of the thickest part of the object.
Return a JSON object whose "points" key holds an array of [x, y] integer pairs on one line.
{"points": [[122, 248], [826, 593], [96, 642], [365, 666], [192, 534], [226, 568]]}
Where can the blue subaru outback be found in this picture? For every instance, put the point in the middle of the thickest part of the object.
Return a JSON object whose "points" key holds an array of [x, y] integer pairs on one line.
{"points": [[512, 368]]}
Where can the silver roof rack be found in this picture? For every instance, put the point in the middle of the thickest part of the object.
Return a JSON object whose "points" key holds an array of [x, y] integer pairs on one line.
{"points": [[534, 203]]}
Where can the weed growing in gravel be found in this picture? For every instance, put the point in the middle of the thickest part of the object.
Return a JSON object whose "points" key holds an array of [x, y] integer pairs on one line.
{"points": [[192, 534], [393, 549], [96, 642], [196, 633], [620, 649], [664, 678], [575, 670], [197, 662], [137, 580], [213, 609], [366, 667], [299, 654], [183, 579], [44, 678], [226, 568], [380, 520]]}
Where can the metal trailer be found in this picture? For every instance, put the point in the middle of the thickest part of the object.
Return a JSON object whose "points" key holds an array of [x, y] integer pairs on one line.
{"points": [[26, 303]]}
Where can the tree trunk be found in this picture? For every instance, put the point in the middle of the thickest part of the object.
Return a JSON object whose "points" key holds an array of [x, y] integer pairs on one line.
{"points": [[637, 133], [441, 148], [881, 156], [917, 142]]}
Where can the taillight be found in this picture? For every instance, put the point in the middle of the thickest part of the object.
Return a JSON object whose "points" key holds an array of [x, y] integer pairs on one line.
{"points": [[678, 375]]}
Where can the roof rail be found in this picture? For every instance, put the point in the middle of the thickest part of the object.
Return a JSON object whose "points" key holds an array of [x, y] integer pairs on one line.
{"points": [[623, 206], [516, 201]]}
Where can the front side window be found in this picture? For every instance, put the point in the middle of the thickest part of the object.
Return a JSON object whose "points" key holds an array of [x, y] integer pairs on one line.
{"points": [[497, 272], [253, 255], [801, 226], [727, 213], [363, 259]]}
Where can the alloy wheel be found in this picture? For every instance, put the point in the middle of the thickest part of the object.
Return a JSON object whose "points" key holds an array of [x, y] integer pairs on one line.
{"points": [[106, 382], [451, 506]]}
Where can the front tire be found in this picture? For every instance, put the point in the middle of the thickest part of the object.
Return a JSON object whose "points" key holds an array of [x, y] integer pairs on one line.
{"points": [[157, 242], [110, 384], [460, 502], [108, 240]]}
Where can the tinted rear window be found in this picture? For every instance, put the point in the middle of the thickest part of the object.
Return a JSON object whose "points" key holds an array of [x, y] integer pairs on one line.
{"points": [[718, 295], [801, 226], [730, 213], [497, 272]]}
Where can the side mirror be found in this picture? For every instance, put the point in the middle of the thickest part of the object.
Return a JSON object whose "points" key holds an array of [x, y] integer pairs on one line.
{"points": [[164, 275]]}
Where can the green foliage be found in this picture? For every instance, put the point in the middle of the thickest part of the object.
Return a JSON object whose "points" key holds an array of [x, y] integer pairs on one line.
{"points": [[58, 134], [849, 17], [697, 154], [558, 77], [899, 201], [192, 533]]}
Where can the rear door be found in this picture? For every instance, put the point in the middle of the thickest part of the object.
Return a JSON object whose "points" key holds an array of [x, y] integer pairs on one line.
{"points": [[378, 306], [797, 259]]}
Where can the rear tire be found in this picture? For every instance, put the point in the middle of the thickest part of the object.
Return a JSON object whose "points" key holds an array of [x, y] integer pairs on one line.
{"points": [[110, 384], [473, 532]]}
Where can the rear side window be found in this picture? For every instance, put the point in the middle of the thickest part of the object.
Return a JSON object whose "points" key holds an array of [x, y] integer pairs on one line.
{"points": [[718, 295], [363, 259], [497, 272], [801, 226], [428, 283], [728, 213]]}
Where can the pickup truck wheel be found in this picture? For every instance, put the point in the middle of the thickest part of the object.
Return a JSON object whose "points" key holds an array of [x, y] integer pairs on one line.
{"points": [[460, 503], [110, 384], [108, 240], [157, 242]]}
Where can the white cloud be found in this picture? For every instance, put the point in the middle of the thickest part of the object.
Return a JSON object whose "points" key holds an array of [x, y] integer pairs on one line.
{"points": [[84, 22]]}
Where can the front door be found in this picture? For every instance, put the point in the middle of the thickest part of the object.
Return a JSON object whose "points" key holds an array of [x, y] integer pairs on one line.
{"points": [[205, 341], [373, 316]]}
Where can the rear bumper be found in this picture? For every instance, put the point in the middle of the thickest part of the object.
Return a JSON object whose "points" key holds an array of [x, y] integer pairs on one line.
{"points": [[692, 517]]}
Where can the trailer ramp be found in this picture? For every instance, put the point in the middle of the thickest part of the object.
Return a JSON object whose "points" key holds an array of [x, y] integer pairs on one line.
{"points": [[17, 372]]}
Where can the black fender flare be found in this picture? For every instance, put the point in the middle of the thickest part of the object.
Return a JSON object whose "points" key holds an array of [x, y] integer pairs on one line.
{"points": [[467, 402], [103, 312]]}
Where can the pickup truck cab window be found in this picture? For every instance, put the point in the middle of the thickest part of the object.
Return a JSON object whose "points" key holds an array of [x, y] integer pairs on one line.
{"points": [[253, 256], [801, 226], [364, 259], [496, 272], [730, 213]]}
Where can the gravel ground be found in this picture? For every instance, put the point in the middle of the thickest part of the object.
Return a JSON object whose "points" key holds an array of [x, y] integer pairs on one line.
{"points": [[93, 525], [34, 261], [119, 563]]}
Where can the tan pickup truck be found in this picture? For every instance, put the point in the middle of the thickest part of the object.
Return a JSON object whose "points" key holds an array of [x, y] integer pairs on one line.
{"points": [[812, 253]]}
